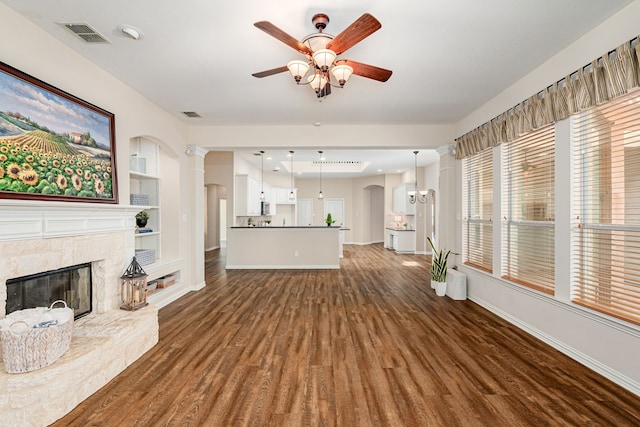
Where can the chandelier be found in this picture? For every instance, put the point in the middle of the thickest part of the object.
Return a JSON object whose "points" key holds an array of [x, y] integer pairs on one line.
{"points": [[421, 196]]}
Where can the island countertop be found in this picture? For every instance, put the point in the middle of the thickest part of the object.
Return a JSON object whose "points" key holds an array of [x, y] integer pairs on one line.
{"points": [[268, 227], [399, 229], [273, 247]]}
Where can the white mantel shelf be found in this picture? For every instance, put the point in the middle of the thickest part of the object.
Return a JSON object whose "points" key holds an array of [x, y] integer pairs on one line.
{"points": [[25, 219]]}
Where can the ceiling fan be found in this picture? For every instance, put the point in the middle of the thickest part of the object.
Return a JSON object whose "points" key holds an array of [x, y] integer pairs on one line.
{"points": [[321, 51]]}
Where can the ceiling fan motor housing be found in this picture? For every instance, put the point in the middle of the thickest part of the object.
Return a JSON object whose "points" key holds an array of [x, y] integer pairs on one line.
{"points": [[320, 21], [319, 40]]}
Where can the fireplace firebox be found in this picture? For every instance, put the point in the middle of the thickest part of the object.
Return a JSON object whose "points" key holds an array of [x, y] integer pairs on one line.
{"points": [[70, 284]]}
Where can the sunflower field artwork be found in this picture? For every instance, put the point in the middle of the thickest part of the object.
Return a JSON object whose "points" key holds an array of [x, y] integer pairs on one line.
{"points": [[53, 145]]}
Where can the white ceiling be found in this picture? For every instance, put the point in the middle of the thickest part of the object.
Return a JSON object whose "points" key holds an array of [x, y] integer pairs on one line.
{"points": [[448, 57], [339, 163]]}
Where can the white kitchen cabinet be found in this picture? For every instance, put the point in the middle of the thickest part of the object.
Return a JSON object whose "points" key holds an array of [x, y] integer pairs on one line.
{"points": [[247, 196], [401, 203], [401, 241], [282, 195]]}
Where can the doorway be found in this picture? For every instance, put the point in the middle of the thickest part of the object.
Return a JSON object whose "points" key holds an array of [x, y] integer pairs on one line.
{"points": [[304, 212], [336, 208]]}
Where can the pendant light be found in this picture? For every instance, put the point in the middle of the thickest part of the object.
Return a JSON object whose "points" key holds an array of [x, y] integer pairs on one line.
{"points": [[320, 195], [262, 197], [292, 195], [416, 195]]}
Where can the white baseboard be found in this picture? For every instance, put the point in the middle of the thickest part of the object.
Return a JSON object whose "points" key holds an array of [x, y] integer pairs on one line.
{"points": [[604, 370]]}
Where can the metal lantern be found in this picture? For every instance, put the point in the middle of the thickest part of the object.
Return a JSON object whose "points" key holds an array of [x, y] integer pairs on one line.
{"points": [[133, 287]]}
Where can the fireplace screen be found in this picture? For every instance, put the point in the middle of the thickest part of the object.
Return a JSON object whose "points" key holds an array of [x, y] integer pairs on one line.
{"points": [[71, 284]]}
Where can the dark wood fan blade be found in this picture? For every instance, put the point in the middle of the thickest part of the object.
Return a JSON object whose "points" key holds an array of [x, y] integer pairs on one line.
{"points": [[360, 29], [271, 72], [285, 38], [368, 71]]}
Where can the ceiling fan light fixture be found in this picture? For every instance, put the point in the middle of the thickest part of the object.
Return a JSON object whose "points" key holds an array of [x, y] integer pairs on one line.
{"points": [[324, 58], [317, 81], [298, 69], [342, 73], [321, 50], [317, 41]]}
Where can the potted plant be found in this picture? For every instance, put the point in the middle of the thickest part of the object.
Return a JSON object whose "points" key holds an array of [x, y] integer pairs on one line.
{"points": [[329, 220], [439, 269], [141, 218]]}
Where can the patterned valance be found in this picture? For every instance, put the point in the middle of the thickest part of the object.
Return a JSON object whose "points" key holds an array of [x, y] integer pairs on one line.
{"points": [[607, 77]]}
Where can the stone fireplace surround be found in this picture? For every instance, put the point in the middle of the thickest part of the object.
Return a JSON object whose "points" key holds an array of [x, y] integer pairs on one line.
{"points": [[42, 236]]}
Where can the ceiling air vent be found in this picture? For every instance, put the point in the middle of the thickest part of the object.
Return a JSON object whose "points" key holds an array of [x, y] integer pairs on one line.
{"points": [[85, 32], [192, 114]]}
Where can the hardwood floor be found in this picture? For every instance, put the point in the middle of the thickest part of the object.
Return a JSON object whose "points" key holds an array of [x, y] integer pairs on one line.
{"points": [[367, 345]]}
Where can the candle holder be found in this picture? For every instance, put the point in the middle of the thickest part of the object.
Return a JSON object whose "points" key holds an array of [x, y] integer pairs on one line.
{"points": [[133, 288]]}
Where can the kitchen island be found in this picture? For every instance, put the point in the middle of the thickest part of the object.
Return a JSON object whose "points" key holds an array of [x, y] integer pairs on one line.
{"points": [[283, 247], [402, 240]]}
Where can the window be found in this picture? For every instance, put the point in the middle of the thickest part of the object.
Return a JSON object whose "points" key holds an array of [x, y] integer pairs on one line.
{"points": [[528, 206], [606, 204], [477, 196]]}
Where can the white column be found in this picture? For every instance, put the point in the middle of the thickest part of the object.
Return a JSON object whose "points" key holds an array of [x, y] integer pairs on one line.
{"points": [[196, 249], [447, 210]]}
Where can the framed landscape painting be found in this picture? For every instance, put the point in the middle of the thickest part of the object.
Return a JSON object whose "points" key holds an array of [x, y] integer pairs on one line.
{"points": [[53, 146]]}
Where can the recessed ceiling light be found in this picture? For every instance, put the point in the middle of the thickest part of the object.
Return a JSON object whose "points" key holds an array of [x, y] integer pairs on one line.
{"points": [[131, 32], [317, 124]]}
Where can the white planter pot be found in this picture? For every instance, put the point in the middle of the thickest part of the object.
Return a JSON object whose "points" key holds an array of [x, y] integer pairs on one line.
{"points": [[441, 288]]}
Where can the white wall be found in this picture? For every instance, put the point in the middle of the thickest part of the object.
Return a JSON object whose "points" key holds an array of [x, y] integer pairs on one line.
{"points": [[342, 137], [605, 344], [376, 215], [332, 189], [212, 219], [34, 52]]}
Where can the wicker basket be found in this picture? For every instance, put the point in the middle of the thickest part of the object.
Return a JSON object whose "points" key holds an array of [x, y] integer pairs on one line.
{"points": [[27, 348]]}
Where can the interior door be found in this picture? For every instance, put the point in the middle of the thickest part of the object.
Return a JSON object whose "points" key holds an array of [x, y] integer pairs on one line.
{"points": [[304, 212], [336, 208]]}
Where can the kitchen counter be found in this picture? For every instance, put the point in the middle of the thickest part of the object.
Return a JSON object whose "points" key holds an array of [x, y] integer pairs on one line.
{"points": [[260, 227], [402, 240], [288, 247]]}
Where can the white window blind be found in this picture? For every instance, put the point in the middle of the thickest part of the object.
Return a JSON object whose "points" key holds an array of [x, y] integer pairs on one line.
{"points": [[606, 203], [477, 202], [528, 229]]}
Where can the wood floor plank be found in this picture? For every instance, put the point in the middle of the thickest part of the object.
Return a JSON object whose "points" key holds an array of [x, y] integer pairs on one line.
{"points": [[369, 344]]}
